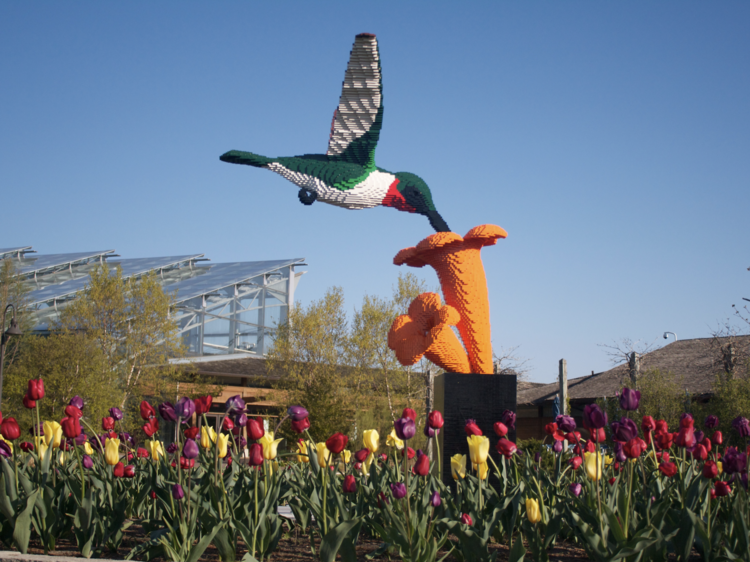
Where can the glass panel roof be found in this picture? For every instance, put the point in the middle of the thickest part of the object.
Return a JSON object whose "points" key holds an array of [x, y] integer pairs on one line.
{"points": [[130, 268], [45, 261], [5, 251], [221, 275]]}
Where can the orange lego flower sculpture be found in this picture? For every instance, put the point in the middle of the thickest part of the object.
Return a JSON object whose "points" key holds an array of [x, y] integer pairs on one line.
{"points": [[425, 331], [458, 264]]}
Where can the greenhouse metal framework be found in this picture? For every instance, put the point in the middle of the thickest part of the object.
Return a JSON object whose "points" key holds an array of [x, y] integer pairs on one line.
{"points": [[221, 308]]}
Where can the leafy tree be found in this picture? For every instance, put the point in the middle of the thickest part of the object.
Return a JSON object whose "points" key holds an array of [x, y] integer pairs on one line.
{"points": [[12, 291]]}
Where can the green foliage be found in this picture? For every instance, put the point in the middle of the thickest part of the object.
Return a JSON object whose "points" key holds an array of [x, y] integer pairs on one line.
{"points": [[731, 398], [533, 446]]}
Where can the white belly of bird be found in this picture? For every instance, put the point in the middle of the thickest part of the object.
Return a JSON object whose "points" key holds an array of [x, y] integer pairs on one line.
{"points": [[366, 194]]}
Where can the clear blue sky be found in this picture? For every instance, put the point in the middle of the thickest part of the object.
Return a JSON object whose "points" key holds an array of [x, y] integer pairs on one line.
{"points": [[610, 139]]}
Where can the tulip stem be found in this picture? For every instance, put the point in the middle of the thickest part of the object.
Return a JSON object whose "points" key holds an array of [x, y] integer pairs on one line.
{"points": [[437, 450], [325, 498], [599, 474], [627, 500], [255, 524], [83, 481]]}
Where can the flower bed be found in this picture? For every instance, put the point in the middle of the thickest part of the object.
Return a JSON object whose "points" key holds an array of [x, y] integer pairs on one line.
{"points": [[653, 494]]}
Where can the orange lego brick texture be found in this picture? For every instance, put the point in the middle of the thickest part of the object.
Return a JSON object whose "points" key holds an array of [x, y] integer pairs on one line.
{"points": [[459, 268]]}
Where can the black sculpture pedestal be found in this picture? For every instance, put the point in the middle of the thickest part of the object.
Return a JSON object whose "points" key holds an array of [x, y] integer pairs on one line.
{"points": [[482, 398]]}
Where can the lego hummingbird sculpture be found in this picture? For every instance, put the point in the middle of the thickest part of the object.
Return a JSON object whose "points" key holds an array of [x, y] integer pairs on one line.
{"points": [[346, 175]]}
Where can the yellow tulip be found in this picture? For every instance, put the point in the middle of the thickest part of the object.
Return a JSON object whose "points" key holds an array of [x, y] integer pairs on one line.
{"points": [[458, 466], [482, 470], [41, 446], [593, 469], [720, 466], [393, 441], [52, 433], [532, 511], [112, 451], [371, 439], [87, 448], [324, 455], [154, 447], [608, 460], [223, 443], [479, 448], [208, 436], [346, 457], [368, 463], [61, 457], [269, 445], [302, 452], [7, 442]]}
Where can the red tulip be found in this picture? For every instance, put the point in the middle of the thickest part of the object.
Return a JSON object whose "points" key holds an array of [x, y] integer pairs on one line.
{"points": [[337, 442], [706, 443], [141, 452], [36, 389], [255, 429], [722, 489], [409, 452], [550, 428], [129, 471], [227, 424], [73, 412], [506, 448], [119, 470], [191, 432], [147, 410], [10, 430], [634, 448], [203, 405], [700, 453], [612, 480], [471, 428], [350, 484], [422, 466], [152, 495], [664, 441], [108, 423], [710, 470], [28, 402], [151, 427], [668, 469], [573, 437], [361, 455], [466, 519], [685, 437], [501, 430], [256, 455], [301, 425], [717, 438], [648, 424], [409, 413], [26, 446], [71, 427], [575, 462], [435, 419], [186, 463]]}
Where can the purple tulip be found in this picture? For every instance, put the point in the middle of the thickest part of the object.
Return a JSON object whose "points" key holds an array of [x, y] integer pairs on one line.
{"points": [[166, 411], [235, 404], [184, 409], [629, 399], [177, 492], [297, 413], [97, 442], [575, 489], [240, 420], [509, 419], [624, 430], [428, 431], [712, 422], [190, 449], [405, 428], [734, 461], [172, 448], [125, 437], [81, 439], [435, 499], [116, 414], [699, 435], [537, 457], [5, 450], [565, 423], [37, 430], [398, 490], [744, 480], [619, 452], [557, 447], [741, 426], [76, 401], [87, 462], [593, 417], [242, 442]]}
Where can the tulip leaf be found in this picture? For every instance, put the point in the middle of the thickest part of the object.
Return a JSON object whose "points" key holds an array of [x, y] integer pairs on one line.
{"points": [[331, 542], [517, 551], [22, 527]]}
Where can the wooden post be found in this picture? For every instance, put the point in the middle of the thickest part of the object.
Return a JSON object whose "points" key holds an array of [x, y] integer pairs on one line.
{"points": [[563, 379], [429, 400], [634, 365]]}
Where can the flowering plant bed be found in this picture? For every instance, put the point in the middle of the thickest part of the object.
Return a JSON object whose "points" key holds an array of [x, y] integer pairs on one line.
{"points": [[653, 495]]}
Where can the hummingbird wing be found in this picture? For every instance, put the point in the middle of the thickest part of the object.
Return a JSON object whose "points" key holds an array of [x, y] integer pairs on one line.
{"points": [[357, 121]]}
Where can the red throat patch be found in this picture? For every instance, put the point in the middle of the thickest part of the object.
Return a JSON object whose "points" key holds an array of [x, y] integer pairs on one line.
{"points": [[394, 199]]}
